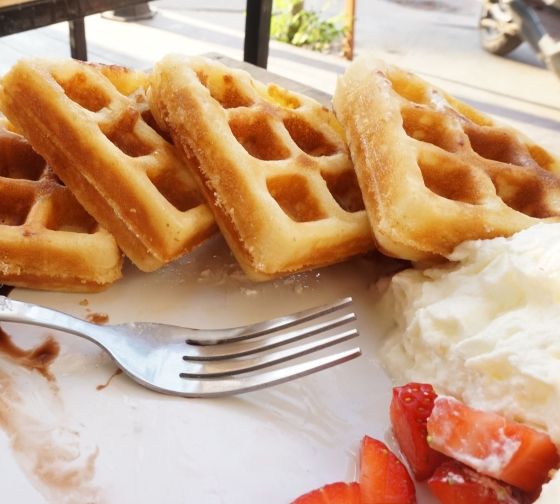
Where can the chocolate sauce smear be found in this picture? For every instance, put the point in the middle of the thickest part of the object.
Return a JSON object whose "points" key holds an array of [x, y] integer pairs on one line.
{"points": [[97, 318], [38, 358], [108, 382]]}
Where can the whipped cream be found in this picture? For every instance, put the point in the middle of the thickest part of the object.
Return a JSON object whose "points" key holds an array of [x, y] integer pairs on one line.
{"points": [[486, 327], [550, 493]]}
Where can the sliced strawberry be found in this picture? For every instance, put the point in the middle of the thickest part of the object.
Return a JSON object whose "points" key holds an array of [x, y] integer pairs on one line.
{"points": [[410, 408], [334, 493], [383, 477], [491, 445], [455, 483]]}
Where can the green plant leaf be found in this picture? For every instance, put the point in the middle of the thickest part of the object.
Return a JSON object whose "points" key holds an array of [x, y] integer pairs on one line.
{"points": [[294, 24]]}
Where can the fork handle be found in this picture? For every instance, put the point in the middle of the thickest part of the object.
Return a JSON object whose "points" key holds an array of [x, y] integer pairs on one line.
{"points": [[26, 313]]}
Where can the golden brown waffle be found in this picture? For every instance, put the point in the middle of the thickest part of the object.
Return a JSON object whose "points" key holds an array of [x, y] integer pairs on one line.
{"points": [[93, 126], [273, 165], [47, 239], [435, 172]]}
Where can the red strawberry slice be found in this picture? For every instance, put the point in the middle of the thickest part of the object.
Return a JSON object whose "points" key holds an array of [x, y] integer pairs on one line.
{"points": [[410, 408], [492, 445], [334, 493], [455, 483], [383, 477]]}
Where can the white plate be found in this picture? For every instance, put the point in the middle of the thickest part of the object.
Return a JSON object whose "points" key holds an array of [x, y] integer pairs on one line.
{"points": [[65, 441]]}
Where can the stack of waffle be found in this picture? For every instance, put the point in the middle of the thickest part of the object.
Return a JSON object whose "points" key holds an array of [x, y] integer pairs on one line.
{"points": [[101, 159]]}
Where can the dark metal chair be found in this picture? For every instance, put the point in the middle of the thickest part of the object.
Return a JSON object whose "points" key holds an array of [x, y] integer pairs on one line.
{"points": [[21, 15], [257, 32]]}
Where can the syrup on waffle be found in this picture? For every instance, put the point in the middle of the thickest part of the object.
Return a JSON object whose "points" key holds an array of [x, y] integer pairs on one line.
{"points": [[47, 240], [93, 126], [273, 166], [435, 172]]}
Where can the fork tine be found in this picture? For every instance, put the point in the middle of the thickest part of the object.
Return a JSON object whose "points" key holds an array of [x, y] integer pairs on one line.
{"points": [[231, 367], [266, 327], [213, 387], [242, 348]]}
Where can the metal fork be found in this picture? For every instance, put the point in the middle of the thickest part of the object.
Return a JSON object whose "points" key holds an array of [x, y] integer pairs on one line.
{"points": [[205, 362]]}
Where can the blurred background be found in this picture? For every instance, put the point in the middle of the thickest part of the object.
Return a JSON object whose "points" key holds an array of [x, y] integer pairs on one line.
{"points": [[438, 39]]}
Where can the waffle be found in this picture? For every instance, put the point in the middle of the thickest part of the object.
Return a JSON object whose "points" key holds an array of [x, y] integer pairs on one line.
{"points": [[47, 240], [273, 165], [435, 172], [93, 126]]}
